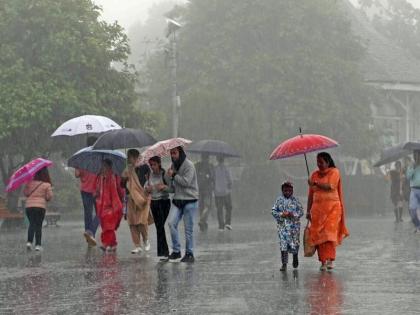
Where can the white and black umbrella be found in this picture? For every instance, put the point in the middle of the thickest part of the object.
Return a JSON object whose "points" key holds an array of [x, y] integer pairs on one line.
{"points": [[213, 147], [123, 139], [87, 124]]}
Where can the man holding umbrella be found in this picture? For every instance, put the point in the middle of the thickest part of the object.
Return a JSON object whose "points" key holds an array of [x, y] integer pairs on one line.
{"points": [[183, 180]]}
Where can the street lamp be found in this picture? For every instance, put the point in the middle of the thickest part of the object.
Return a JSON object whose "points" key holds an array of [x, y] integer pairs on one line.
{"points": [[172, 27]]}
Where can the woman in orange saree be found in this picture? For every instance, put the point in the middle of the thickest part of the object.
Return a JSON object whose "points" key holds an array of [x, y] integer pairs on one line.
{"points": [[326, 210]]}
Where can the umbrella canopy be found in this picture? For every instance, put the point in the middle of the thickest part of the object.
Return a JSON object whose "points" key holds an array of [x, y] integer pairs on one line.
{"points": [[397, 152], [86, 124], [26, 173], [213, 147], [162, 148], [91, 160], [302, 144], [123, 139]]}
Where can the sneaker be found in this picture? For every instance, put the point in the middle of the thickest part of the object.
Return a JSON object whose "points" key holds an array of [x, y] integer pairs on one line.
{"points": [[229, 227], [323, 267], [28, 246], [147, 246], [111, 249], [330, 265], [221, 229], [188, 258], [174, 256], [137, 250], [38, 248], [102, 248], [283, 267], [89, 239]]}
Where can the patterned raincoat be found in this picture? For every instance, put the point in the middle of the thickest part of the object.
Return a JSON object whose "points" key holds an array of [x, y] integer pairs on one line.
{"points": [[288, 227]]}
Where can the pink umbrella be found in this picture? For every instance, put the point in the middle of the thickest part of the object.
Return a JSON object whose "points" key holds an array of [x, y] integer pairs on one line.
{"points": [[162, 148], [26, 173]]}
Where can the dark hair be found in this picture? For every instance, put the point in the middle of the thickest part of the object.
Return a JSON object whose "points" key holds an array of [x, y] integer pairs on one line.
{"points": [[327, 158], [108, 162], [157, 160], [182, 157], [134, 153], [43, 175], [286, 184], [91, 140]]}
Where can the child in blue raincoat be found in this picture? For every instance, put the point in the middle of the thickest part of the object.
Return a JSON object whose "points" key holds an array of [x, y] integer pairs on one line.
{"points": [[287, 211]]}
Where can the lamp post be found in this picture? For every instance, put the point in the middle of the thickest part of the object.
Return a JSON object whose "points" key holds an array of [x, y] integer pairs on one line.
{"points": [[173, 26]]}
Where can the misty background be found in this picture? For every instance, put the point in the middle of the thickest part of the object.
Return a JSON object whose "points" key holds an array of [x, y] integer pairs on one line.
{"points": [[249, 73]]}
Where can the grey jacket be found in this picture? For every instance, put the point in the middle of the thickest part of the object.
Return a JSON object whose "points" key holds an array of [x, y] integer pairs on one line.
{"points": [[184, 183]]}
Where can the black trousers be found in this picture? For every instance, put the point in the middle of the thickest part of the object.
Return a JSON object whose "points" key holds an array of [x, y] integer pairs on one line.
{"points": [[160, 210], [36, 218], [224, 202]]}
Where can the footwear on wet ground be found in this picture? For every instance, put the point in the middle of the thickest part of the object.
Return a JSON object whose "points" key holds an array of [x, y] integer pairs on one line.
{"points": [[174, 256], [188, 258]]}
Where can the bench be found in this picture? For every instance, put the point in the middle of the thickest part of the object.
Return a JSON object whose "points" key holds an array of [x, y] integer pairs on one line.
{"points": [[51, 218]]}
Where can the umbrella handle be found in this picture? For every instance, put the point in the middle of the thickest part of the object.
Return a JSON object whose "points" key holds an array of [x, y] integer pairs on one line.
{"points": [[306, 161]]}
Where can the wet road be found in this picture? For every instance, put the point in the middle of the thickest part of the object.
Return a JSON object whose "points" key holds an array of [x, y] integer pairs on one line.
{"points": [[377, 272]]}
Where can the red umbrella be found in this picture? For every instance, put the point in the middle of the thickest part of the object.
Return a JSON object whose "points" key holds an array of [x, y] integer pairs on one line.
{"points": [[302, 144]]}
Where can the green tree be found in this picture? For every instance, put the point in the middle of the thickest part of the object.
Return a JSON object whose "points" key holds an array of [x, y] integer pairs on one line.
{"points": [[58, 60], [399, 21], [251, 72]]}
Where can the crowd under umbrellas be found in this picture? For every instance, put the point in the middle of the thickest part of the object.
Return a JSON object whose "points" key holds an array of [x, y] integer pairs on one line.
{"points": [[122, 177], [105, 164]]}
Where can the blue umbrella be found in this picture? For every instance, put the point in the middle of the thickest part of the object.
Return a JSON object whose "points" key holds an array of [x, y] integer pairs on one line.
{"points": [[91, 160]]}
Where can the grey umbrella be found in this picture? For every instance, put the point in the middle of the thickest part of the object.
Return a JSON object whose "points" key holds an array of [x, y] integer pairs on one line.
{"points": [[397, 152], [91, 160], [124, 139], [213, 147]]}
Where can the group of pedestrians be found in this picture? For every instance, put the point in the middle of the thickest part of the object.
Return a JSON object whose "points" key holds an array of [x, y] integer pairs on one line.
{"points": [[141, 195], [405, 188]]}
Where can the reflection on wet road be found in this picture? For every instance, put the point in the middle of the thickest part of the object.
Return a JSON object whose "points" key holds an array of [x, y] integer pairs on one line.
{"points": [[377, 272]]}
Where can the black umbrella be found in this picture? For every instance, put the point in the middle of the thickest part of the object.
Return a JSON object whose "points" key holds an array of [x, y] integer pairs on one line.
{"points": [[397, 152], [213, 147], [123, 139]]}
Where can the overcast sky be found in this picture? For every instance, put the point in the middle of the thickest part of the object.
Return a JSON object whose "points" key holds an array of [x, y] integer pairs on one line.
{"points": [[127, 12]]}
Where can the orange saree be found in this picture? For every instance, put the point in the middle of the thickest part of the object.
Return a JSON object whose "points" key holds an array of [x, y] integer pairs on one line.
{"points": [[328, 228]]}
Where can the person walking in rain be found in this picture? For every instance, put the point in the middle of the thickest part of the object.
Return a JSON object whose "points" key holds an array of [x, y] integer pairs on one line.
{"points": [[138, 204], [205, 177], [109, 195], [326, 210], [160, 205], [413, 174], [222, 193], [397, 179], [287, 211], [37, 192], [183, 179], [87, 190]]}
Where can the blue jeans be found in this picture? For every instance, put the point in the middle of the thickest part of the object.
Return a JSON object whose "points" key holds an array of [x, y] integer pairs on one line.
{"points": [[175, 215], [91, 220], [414, 205]]}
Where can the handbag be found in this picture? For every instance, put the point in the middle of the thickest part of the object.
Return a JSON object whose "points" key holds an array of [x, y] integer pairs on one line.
{"points": [[308, 248]]}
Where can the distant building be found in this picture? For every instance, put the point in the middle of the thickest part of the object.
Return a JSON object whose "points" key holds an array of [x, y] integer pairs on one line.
{"points": [[396, 75]]}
